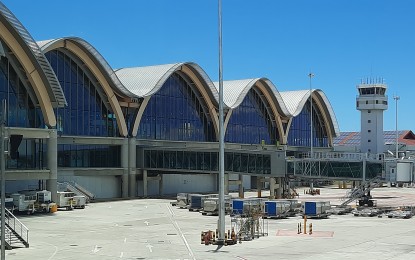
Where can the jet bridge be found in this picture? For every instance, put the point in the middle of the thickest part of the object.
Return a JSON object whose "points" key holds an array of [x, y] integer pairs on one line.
{"points": [[335, 165]]}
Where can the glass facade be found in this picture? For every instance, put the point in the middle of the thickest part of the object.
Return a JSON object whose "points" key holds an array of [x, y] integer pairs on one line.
{"points": [[250, 122], [89, 156], [177, 113], [87, 113], [299, 133], [207, 161], [21, 111]]}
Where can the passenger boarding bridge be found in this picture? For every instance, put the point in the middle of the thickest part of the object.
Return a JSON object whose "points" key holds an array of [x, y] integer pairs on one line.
{"points": [[335, 165]]}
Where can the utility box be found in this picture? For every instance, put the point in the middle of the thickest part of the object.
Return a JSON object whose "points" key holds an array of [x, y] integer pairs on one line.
{"points": [[316, 209]]}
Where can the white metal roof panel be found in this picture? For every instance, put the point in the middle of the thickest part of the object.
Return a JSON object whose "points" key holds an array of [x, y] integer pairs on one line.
{"points": [[295, 100]]}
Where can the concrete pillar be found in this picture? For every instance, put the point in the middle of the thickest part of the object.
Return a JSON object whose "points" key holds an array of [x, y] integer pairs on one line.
{"points": [[259, 186], [161, 184], [226, 183], [52, 158], [241, 186], [124, 165], [132, 166], [145, 181], [272, 186], [279, 189]]}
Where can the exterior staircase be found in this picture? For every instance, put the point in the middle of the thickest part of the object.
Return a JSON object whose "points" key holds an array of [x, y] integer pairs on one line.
{"points": [[77, 189], [16, 233], [361, 191]]}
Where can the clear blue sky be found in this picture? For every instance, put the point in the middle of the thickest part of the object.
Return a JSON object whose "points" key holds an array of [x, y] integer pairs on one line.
{"points": [[340, 41]]}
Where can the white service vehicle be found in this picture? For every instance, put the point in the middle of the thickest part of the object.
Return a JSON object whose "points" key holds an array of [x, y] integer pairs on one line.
{"points": [[79, 201], [44, 201], [65, 199], [24, 203]]}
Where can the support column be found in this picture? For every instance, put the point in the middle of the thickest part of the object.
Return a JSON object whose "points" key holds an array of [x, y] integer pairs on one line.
{"points": [[272, 187], [161, 184], [226, 183], [124, 165], [52, 155], [132, 167], [259, 186], [241, 186], [145, 181], [279, 188]]}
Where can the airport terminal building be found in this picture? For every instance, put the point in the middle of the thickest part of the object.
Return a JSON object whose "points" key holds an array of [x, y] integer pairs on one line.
{"points": [[146, 130]]}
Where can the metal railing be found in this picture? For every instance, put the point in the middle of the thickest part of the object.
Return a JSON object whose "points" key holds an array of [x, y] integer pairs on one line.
{"points": [[340, 156], [77, 189], [17, 226]]}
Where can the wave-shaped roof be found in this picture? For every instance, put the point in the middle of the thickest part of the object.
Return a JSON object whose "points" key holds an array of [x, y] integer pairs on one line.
{"points": [[234, 92], [145, 81], [295, 101], [98, 59], [45, 71]]}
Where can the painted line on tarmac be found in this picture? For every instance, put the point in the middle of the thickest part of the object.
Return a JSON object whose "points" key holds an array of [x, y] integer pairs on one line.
{"points": [[54, 253], [176, 226], [150, 247], [121, 255]]}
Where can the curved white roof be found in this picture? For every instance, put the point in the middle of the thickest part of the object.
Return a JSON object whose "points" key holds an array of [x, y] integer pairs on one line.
{"points": [[234, 92], [33, 51], [145, 81], [295, 101], [98, 59]]}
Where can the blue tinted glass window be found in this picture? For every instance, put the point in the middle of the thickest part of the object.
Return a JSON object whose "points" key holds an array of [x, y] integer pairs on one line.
{"points": [[251, 123], [300, 135], [176, 113], [86, 114], [21, 112]]}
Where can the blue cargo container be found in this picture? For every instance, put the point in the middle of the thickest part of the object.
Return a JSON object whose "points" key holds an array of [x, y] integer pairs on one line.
{"points": [[237, 206], [317, 209], [271, 208], [310, 208], [196, 201], [274, 208]]}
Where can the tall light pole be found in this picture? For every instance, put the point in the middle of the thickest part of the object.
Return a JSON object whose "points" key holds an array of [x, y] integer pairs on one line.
{"points": [[221, 221], [311, 75], [396, 126]]}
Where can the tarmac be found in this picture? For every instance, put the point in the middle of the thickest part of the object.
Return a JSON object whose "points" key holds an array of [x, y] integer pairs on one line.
{"points": [[154, 229]]}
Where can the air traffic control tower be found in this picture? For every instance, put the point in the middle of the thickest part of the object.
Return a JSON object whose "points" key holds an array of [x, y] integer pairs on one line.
{"points": [[371, 102]]}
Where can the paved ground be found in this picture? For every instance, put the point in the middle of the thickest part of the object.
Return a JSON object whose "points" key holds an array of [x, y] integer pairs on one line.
{"points": [[153, 229]]}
